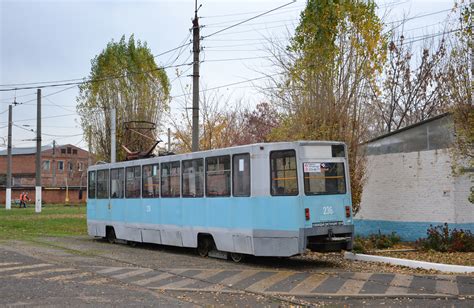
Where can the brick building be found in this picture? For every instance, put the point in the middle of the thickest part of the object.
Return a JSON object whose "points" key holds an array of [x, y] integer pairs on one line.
{"points": [[410, 184], [62, 166]]}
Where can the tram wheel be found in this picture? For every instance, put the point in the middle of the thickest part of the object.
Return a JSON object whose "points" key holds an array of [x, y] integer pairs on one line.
{"points": [[111, 235], [236, 257], [204, 246]]}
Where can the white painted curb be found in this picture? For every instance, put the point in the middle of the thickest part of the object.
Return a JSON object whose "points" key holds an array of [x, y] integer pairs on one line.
{"points": [[410, 263]]}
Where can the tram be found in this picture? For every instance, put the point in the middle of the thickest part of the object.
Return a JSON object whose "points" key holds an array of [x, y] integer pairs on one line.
{"points": [[267, 199]]}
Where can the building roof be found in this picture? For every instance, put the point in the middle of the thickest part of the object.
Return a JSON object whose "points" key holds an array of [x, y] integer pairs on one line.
{"points": [[408, 127], [25, 150]]}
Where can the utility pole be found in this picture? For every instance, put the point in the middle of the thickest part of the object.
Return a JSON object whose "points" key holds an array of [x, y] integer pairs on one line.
{"points": [[112, 137], [53, 165], [169, 140], [196, 50], [8, 194], [38, 153], [89, 145]]}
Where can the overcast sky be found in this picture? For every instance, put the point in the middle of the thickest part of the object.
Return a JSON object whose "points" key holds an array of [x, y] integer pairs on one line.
{"points": [[56, 40]]}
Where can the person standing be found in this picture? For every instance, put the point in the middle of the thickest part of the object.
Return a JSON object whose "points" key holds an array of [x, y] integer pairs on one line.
{"points": [[22, 198], [25, 199]]}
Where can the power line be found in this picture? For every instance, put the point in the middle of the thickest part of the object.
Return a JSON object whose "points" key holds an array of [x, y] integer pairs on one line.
{"points": [[248, 19], [92, 80], [229, 84], [255, 12], [237, 59]]}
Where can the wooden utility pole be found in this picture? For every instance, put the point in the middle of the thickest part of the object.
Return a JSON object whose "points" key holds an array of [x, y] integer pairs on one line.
{"points": [[196, 50], [8, 193], [38, 153]]}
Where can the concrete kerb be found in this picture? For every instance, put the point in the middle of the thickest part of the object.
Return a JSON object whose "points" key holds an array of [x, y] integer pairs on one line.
{"points": [[448, 268]]}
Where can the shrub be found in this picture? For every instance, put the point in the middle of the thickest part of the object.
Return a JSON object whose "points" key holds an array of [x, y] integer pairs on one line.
{"points": [[375, 241], [441, 238]]}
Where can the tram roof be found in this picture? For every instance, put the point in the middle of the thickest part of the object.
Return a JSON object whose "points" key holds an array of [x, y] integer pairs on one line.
{"points": [[214, 152]]}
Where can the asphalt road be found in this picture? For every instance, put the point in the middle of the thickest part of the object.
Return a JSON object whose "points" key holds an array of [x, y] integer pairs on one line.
{"points": [[83, 271]]}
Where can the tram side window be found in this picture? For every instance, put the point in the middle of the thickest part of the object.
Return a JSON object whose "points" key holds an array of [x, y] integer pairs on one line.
{"points": [[283, 173], [102, 184], [151, 181], [241, 175], [116, 183], [170, 184], [193, 178], [132, 184], [218, 176], [91, 185]]}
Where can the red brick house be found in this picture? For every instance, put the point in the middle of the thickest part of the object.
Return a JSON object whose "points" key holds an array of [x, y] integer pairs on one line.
{"points": [[64, 166]]}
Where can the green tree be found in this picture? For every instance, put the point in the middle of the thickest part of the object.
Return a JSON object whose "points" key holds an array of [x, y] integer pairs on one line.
{"points": [[329, 67], [124, 76]]}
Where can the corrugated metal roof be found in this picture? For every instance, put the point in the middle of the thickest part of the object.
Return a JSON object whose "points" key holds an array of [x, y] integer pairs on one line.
{"points": [[25, 151]]}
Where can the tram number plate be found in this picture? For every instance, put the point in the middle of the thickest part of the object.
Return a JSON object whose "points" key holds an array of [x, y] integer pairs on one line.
{"points": [[327, 223]]}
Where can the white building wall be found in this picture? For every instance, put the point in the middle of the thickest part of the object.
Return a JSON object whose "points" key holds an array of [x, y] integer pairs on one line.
{"points": [[415, 187]]}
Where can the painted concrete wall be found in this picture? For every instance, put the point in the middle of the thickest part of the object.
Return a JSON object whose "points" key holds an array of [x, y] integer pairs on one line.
{"points": [[406, 192]]}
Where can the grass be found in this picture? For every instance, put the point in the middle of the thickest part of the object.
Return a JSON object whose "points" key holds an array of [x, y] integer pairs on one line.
{"points": [[54, 220]]}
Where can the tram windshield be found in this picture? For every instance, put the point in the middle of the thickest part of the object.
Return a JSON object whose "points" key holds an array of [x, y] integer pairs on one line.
{"points": [[322, 178]]}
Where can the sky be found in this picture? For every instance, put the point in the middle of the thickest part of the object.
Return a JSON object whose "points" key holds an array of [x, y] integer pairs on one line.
{"points": [[56, 40]]}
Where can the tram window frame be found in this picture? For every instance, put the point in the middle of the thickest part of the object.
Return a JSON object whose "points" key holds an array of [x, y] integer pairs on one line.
{"points": [[246, 176], [103, 193], [171, 191], [135, 177], [121, 178], [89, 180], [155, 193], [277, 192], [198, 185], [226, 173]]}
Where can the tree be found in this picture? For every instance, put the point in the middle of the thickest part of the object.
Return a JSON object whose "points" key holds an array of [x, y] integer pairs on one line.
{"points": [[331, 63], [257, 124], [411, 85], [123, 76], [459, 83], [220, 124]]}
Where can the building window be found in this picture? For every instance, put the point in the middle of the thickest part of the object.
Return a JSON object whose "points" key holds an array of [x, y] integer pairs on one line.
{"points": [[218, 176], [91, 185], [60, 165], [116, 183], [283, 173], [151, 181], [193, 178], [241, 175], [132, 184], [70, 166], [102, 184], [74, 151], [80, 166], [170, 184], [63, 151], [69, 150], [46, 165]]}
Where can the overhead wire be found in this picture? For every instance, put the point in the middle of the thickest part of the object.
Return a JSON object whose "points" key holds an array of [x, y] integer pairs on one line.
{"points": [[247, 20]]}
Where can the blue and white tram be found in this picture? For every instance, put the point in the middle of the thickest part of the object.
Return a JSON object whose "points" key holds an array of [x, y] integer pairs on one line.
{"points": [[270, 199]]}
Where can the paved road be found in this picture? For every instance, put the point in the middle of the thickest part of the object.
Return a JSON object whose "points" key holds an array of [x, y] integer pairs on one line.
{"points": [[64, 272]]}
